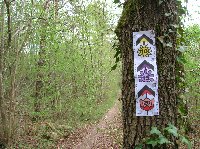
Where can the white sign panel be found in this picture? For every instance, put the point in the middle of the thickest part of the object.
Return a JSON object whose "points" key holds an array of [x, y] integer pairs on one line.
{"points": [[145, 73]]}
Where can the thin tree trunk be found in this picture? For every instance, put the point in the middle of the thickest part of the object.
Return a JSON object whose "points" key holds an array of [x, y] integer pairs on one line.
{"points": [[40, 64], [54, 75], [12, 73], [7, 2], [12, 99], [56, 8], [141, 15], [39, 81], [3, 136], [12, 90]]}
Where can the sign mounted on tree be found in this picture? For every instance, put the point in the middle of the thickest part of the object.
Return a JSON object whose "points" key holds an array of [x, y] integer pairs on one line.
{"points": [[145, 73]]}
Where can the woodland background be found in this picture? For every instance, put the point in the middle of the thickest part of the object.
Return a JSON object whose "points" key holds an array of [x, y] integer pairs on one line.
{"points": [[58, 69]]}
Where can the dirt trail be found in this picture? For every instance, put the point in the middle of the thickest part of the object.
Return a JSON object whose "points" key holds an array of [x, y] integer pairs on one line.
{"points": [[104, 135]]}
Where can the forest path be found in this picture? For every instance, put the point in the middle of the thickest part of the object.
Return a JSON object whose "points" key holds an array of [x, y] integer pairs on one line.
{"points": [[104, 135]]}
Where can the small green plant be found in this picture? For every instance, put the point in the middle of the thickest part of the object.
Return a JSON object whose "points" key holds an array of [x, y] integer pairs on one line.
{"points": [[157, 138]]}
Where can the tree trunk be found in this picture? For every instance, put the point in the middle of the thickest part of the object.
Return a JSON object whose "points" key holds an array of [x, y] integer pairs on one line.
{"points": [[12, 69], [141, 15], [4, 134], [40, 76], [39, 84]]}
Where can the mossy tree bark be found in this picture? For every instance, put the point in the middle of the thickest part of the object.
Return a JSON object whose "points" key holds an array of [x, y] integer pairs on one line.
{"points": [[141, 15]]}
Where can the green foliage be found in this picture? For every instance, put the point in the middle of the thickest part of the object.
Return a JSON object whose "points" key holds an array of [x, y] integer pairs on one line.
{"points": [[116, 1], [192, 76], [157, 138], [157, 141], [117, 55], [69, 51], [171, 129]]}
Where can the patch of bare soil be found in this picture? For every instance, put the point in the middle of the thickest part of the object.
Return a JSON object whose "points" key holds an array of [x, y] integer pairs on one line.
{"points": [[107, 134]]}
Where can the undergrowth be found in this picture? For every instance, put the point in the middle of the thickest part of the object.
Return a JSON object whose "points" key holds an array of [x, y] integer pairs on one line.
{"points": [[47, 133]]}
